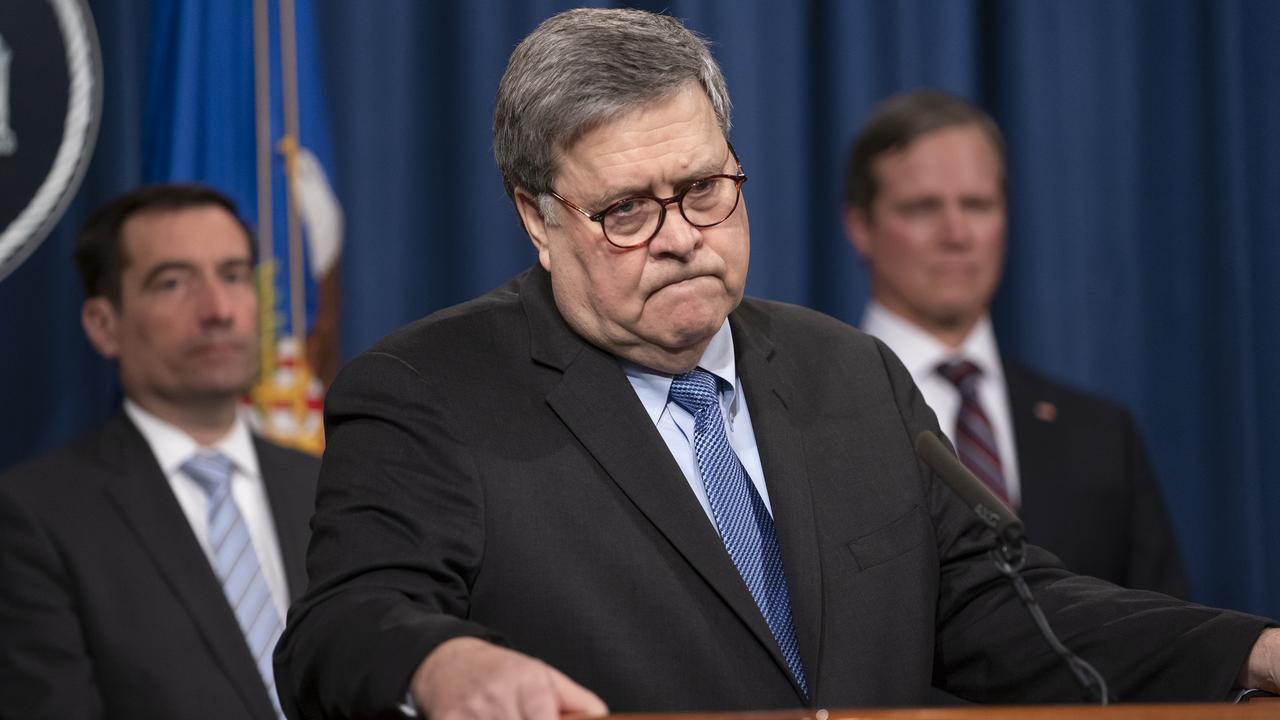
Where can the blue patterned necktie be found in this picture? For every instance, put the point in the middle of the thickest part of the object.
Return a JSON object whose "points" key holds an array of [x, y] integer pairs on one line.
{"points": [[743, 520], [236, 564], [975, 438]]}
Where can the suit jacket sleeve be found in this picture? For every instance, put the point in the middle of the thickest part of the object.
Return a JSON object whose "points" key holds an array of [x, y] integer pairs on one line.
{"points": [[378, 602], [1154, 559], [45, 668], [1146, 645]]}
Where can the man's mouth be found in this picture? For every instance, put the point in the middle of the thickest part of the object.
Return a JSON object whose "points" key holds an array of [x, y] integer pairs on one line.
{"points": [[217, 348]]}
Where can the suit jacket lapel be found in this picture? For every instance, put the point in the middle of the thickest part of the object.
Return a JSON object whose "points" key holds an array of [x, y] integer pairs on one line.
{"points": [[598, 405], [770, 400], [139, 491], [292, 502], [1034, 439]]}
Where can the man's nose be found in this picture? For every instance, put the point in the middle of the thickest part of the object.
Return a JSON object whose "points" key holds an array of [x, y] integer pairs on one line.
{"points": [[956, 227], [677, 236], [214, 302]]}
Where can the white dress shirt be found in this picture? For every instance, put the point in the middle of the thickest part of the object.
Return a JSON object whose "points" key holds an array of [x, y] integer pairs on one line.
{"points": [[172, 447], [676, 425], [922, 354]]}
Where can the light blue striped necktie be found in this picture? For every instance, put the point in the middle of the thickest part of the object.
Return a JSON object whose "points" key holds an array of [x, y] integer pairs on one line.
{"points": [[743, 520], [236, 564]]}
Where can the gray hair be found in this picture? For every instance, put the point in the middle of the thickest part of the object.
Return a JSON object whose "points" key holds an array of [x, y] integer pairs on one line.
{"points": [[581, 69]]}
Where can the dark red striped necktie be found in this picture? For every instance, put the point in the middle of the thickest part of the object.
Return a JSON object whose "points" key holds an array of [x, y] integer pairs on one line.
{"points": [[974, 436]]}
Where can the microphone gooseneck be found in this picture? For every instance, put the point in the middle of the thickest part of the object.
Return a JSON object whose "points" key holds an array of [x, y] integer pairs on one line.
{"points": [[984, 503], [1008, 554]]}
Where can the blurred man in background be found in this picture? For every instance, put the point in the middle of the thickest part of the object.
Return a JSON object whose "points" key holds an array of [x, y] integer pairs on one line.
{"points": [[146, 570], [925, 207]]}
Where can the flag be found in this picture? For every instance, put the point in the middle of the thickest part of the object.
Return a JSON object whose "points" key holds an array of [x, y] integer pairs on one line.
{"points": [[234, 100]]}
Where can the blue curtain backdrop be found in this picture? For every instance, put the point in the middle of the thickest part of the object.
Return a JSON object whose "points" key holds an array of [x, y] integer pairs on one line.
{"points": [[1145, 219], [199, 122]]}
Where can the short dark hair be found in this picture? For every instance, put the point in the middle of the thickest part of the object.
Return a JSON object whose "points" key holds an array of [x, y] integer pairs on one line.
{"points": [[99, 252], [900, 121]]}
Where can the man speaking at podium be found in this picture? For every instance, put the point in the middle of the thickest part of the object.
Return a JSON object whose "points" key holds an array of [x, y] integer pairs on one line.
{"points": [[616, 485]]}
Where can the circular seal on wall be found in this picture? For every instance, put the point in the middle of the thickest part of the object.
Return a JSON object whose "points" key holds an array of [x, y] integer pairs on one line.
{"points": [[50, 107]]}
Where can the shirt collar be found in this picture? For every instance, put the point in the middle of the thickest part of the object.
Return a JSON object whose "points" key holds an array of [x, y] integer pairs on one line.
{"points": [[172, 446], [654, 388], [922, 352]]}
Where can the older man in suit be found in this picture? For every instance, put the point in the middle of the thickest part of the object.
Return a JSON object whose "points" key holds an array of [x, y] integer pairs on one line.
{"points": [[145, 571], [617, 470], [925, 208]]}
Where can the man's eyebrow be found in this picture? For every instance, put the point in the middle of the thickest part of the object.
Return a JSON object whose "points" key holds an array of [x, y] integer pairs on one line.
{"points": [[608, 197], [165, 267], [920, 200], [706, 169]]}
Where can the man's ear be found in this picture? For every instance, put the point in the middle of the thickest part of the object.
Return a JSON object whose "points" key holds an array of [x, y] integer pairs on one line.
{"points": [[534, 224], [101, 324], [857, 227]]}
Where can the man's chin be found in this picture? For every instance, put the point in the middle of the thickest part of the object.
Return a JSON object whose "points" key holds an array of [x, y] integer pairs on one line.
{"points": [[689, 336], [214, 387], [670, 349], [215, 394], [688, 308], [955, 317]]}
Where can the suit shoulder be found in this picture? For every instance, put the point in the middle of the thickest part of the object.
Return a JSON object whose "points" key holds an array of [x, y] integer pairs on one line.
{"points": [[1028, 385], [286, 456], [33, 471], [54, 473], [496, 315], [787, 323], [817, 345]]}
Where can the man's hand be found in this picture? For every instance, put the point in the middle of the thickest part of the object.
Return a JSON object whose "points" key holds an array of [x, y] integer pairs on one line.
{"points": [[1262, 670], [470, 678]]}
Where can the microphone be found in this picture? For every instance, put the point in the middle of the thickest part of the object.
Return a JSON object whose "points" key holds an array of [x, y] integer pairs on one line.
{"points": [[974, 493], [1008, 556]]}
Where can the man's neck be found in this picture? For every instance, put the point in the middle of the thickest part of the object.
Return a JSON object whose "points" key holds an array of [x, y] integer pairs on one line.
{"points": [[206, 422], [952, 336], [951, 332]]}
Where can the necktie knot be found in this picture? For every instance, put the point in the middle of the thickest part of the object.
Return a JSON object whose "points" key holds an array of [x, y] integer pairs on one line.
{"points": [[212, 471], [963, 374], [695, 391]]}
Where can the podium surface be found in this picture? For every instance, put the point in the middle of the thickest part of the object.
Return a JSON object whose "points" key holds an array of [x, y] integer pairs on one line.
{"points": [[1261, 708]]}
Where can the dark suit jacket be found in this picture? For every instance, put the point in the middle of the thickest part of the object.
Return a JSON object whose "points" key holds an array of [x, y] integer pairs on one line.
{"points": [[489, 473], [108, 606], [1089, 493]]}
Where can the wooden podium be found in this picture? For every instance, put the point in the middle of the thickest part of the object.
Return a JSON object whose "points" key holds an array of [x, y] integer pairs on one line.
{"points": [[1258, 708]]}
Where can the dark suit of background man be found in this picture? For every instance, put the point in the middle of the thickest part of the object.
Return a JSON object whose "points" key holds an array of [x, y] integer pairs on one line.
{"points": [[113, 551], [925, 208], [615, 469]]}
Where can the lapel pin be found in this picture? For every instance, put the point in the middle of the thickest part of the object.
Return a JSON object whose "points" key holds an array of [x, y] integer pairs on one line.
{"points": [[1045, 411]]}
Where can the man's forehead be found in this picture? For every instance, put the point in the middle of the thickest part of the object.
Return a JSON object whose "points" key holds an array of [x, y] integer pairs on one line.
{"points": [[198, 232], [940, 157], [953, 140], [653, 175], [664, 140], [204, 215]]}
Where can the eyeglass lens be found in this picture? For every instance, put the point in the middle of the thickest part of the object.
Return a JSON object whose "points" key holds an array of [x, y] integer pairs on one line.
{"points": [[704, 203]]}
